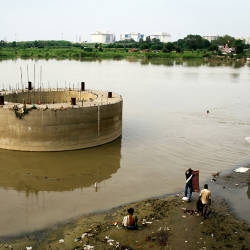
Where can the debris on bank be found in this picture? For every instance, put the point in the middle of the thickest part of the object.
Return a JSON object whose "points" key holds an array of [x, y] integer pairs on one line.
{"points": [[241, 170]]}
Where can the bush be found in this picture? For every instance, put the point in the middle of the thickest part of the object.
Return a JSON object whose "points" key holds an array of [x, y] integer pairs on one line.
{"points": [[88, 49]]}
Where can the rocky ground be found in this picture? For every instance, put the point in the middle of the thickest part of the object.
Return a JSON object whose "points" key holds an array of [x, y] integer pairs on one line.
{"points": [[164, 223]]}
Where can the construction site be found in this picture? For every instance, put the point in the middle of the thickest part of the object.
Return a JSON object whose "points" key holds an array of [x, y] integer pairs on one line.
{"points": [[58, 119]]}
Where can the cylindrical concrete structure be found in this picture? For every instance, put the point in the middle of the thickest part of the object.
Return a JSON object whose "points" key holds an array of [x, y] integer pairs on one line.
{"points": [[93, 121]]}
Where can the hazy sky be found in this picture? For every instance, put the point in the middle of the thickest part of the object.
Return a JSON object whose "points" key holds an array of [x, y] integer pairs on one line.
{"points": [[73, 19]]}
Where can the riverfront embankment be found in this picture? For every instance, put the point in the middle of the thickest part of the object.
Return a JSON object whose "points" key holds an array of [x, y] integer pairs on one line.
{"points": [[83, 54], [170, 224]]}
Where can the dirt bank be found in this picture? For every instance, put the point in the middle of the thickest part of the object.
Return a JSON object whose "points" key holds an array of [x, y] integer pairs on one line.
{"points": [[168, 227]]}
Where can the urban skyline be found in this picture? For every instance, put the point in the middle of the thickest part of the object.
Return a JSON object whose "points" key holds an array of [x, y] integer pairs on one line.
{"points": [[47, 20]]}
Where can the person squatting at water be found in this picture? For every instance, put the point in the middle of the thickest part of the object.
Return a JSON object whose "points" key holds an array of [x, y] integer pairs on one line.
{"points": [[204, 201], [189, 175], [130, 221]]}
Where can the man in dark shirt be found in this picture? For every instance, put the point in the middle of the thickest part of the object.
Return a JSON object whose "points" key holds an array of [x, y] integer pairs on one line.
{"points": [[189, 176]]}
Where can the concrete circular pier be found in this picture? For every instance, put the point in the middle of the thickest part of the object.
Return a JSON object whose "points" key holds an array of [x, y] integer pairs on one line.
{"points": [[59, 119]]}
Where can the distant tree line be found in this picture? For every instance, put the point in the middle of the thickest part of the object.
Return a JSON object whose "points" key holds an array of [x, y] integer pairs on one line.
{"points": [[39, 44], [189, 43]]}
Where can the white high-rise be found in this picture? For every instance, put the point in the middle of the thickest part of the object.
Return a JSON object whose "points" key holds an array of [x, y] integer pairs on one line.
{"points": [[136, 36], [102, 37], [247, 39], [162, 36], [210, 38]]}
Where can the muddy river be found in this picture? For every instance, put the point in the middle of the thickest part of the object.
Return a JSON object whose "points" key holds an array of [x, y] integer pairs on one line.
{"points": [[165, 130]]}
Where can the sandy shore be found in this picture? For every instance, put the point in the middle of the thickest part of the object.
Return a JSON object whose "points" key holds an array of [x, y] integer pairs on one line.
{"points": [[169, 226]]}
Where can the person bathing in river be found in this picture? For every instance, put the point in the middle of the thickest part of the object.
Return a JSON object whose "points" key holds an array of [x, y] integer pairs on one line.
{"points": [[189, 175], [130, 221], [205, 198]]}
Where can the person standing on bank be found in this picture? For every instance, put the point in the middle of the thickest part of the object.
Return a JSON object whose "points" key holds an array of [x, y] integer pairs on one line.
{"points": [[205, 197], [189, 175]]}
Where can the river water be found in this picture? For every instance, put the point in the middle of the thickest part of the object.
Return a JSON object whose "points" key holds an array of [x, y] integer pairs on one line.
{"points": [[165, 131]]}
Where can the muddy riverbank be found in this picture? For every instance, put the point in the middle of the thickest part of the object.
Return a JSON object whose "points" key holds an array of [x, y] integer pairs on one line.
{"points": [[168, 225]]}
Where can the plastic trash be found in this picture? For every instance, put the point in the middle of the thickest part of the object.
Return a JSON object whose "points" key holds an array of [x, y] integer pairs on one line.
{"points": [[247, 139], [29, 248], [84, 235], [185, 198], [88, 247], [241, 170], [61, 241]]}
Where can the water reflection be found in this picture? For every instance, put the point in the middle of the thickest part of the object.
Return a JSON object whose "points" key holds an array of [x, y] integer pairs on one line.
{"points": [[248, 191], [235, 75], [58, 171]]}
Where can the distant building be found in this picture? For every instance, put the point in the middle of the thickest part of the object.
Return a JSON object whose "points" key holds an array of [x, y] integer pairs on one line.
{"points": [[132, 35], [162, 36], [102, 37], [247, 39], [210, 38]]}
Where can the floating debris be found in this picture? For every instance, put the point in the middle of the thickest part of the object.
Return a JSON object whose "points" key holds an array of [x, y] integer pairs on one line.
{"points": [[241, 169], [247, 139]]}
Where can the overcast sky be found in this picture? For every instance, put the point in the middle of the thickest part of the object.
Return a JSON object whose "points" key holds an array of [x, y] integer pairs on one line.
{"points": [[76, 19]]}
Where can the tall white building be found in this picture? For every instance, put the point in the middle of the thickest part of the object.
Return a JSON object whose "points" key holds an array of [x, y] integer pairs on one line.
{"points": [[162, 36], [247, 39], [131, 35], [102, 37], [210, 38]]}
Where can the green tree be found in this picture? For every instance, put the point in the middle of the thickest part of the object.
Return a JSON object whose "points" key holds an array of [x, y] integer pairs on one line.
{"points": [[144, 46], [3, 44], [223, 40], [168, 47], [194, 42], [238, 45]]}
